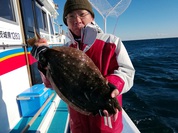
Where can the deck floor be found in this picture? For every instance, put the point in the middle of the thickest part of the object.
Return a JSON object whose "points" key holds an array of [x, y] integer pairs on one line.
{"points": [[58, 123], [59, 120]]}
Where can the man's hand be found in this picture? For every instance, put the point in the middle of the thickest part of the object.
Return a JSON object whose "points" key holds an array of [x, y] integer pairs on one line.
{"points": [[41, 42]]}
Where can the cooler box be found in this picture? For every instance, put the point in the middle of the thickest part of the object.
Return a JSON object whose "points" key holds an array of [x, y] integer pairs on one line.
{"points": [[30, 101]]}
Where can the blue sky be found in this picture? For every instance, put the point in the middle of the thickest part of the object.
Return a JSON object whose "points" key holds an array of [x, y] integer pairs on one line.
{"points": [[143, 19]]}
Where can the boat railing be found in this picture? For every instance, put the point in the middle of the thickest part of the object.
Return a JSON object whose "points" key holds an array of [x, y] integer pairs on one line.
{"points": [[4, 46]]}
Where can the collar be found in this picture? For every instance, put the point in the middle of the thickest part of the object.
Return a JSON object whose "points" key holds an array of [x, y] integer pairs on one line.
{"points": [[88, 35]]}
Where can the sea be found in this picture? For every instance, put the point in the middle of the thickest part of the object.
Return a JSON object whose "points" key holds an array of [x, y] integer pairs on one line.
{"points": [[152, 102]]}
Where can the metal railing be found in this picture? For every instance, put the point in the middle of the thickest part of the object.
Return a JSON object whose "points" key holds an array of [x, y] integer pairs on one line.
{"points": [[4, 46]]}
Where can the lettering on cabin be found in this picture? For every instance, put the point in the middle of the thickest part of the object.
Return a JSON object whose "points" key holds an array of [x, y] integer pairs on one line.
{"points": [[9, 35]]}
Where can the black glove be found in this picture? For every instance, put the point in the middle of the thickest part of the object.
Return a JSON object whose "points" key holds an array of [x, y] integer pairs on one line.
{"points": [[112, 87], [37, 53]]}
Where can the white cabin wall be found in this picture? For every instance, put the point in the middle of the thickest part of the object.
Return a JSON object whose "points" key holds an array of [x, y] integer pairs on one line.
{"points": [[15, 82], [9, 26], [16, 38], [12, 84]]}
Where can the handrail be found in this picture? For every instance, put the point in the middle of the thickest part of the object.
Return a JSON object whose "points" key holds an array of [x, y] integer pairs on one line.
{"points": [[12, 45], [37, 114], [4, 46]]}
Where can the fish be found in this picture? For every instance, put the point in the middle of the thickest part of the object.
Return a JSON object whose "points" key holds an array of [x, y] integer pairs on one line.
{"points": [[78, 81]]}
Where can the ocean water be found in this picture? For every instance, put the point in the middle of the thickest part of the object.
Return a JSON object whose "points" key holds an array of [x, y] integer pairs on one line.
{"points": [[152, 103]]}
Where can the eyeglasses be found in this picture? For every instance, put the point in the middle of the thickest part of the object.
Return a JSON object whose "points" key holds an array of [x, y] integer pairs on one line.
{"points": [[81, 15]]}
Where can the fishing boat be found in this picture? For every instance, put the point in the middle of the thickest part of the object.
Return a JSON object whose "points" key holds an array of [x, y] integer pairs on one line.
{"points": [[19, 19], [18, 69]]}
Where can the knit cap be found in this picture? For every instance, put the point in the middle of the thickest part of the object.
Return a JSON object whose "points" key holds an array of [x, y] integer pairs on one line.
{"points": [[72, 5]]}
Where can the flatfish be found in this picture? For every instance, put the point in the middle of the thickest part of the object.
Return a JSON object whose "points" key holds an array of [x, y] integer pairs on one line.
{"points": [[78, 81]]}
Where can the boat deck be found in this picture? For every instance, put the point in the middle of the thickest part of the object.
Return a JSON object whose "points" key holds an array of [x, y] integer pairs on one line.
{"points": [[59, 121], [55, 120]]}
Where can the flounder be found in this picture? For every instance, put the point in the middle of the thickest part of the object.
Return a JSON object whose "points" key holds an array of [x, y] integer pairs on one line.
{"points": [[78, 81]]}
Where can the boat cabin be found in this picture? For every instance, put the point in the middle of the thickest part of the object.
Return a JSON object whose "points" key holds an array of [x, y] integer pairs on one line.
{"points": [[18, 69]]}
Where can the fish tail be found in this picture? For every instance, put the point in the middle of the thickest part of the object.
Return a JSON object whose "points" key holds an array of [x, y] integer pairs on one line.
{"points": [[33, 40]]}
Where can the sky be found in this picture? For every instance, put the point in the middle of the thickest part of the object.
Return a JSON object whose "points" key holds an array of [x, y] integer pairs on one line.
{"points": [[143, 19]]}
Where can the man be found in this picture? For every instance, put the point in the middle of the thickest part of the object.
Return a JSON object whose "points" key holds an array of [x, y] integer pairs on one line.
{"points": [[109, 55]]}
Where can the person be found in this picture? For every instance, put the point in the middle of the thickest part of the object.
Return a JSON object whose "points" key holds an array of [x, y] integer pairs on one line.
{"points": [[109, 55]]}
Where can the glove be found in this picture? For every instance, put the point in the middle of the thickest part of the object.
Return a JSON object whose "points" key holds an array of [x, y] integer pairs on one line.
{"points": [[112, 87], [37, 53]]}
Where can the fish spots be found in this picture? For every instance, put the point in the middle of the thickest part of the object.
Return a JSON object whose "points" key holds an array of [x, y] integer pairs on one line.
{"points": [[64, 74], [79, 80], [83, 59], [81, 64], [91, 88], [71, 80], [64, 55]]}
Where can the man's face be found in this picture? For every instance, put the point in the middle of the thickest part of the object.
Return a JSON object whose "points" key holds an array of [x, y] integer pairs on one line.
{"points": [[77, 19]]}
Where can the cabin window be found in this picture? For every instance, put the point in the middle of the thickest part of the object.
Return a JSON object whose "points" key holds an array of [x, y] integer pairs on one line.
{"points": [[7, 10], [44, 21], [27, 12], [51, 26], [41, 18], [30, 17]]}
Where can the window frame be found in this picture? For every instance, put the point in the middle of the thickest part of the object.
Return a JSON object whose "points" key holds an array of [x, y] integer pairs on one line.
{"points": [[14, 13], [43, 17]]}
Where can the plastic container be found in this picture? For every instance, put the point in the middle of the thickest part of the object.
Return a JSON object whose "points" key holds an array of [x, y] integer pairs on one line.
{"points": [[31, 100]]}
